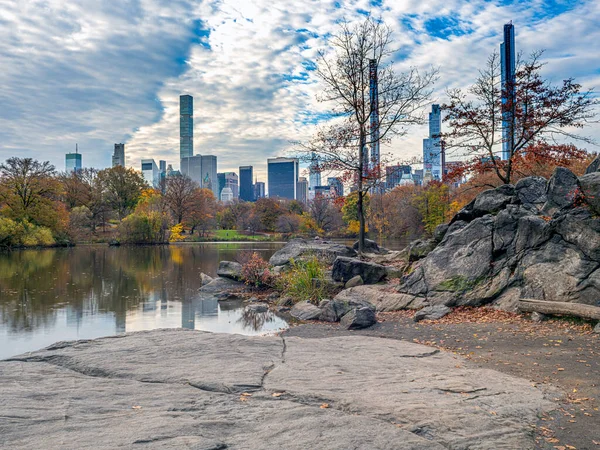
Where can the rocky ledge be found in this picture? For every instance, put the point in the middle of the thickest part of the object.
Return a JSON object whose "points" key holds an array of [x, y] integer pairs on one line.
{"points": [[177, 388], [538, 239]]}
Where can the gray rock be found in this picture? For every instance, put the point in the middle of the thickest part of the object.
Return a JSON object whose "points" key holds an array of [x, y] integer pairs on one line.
{"points": [[532, 190], [299, 249], [285, 301], [355, 281], [440, 232], [181, 389], [305, 311], [590, 189], [323, 303], [370, 247], [335, 309], [230, 269], [561, 190], [378, 296], [597, 328], [594, 166], [394, 272], [205, 279], [419, 249], [346, 268], [492, 200], [220, 285], [538, 317], [434, 312], [257, 307], [358, 318]]}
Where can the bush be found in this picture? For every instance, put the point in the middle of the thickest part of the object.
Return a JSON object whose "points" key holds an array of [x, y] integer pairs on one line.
{"points": [[255, 272], [142, 228], [17, 234], [304, 281]]}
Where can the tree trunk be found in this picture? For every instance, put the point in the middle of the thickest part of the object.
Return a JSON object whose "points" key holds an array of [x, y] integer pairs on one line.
{"points": [[571, 309]]}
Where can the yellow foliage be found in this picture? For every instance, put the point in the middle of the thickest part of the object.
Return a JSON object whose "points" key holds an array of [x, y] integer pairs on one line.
{"points": [[308, 225], [354, 227], [176, 233]]}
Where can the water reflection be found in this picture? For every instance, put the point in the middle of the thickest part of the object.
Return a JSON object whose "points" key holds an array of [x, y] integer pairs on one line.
{"points": [[86, 292]]}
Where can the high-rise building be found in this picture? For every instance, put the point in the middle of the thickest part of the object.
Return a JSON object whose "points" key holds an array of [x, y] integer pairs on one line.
{"points": [[282, 174], [259, 190], [192, 167], [73, 161], [374, 109], [231, 181], [246, 188], [209, 174], [302, 194], [220, 183], [150, 172], [162, 174], [323, 191], [118, 157], [337, 186], [186, 126], [507, 78], [418, 177], [432, 159], [398, 175], [314, 176]]}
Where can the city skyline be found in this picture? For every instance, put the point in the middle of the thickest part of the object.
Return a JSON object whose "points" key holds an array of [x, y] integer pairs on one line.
{"points": [[252, 98]]}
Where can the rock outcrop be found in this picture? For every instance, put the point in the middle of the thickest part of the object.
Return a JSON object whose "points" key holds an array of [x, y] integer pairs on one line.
{"points": [[537, 240], [230, 269], [190, 389], [298, 249], [305, 311], [344, 269]]}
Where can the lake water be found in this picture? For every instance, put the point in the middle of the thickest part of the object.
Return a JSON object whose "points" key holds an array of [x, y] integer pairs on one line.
{"points": [[91, 291]]}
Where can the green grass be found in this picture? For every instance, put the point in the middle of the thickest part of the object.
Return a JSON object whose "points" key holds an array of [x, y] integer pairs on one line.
{"points": [[235, 235], [305, 281]]}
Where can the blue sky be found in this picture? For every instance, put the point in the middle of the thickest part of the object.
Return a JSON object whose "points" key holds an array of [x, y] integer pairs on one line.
{"points": [[96, 73]]}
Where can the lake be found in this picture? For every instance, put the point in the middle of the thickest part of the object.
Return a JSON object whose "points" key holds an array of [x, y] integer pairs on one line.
{"points": [[91, 291]]}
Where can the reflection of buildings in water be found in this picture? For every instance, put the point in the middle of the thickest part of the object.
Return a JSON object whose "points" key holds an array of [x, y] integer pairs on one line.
{"points": [[203, 307]]}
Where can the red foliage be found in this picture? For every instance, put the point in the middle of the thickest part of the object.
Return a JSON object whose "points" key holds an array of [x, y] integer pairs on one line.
{"points": [[255, 272]]}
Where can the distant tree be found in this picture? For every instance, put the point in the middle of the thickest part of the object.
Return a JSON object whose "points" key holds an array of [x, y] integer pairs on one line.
{"points": [[123, 188], [84, 190], [539, 114], [344, 71], [268, 211], [202, 210], [434, 205], [323, 212], [288, 223], [179, 192]]}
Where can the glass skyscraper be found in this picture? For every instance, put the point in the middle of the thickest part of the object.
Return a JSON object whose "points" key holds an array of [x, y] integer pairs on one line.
{"points": [[282, 174], [209, 174], [186, 126], [73, 162], [150, 172], [246, 179], [507, 63], [432, 158], [192, 167]]}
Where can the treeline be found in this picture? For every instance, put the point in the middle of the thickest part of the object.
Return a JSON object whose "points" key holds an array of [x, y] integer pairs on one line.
{"points": [[42, 207]]}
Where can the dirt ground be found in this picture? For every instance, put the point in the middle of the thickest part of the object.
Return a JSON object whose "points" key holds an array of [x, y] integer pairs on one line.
{"points": [[565, 354]]}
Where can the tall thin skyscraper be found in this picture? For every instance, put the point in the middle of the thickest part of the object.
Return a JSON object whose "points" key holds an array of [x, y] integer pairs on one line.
{"points": [[507, 63], [186, 126], [118, 158], [374, 99], [246, 188], [73, 161], [432, 160], [314, 176]]}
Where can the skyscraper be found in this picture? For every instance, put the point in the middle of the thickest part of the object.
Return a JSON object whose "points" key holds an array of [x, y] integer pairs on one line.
{"points": [[192, 167], [302, 194], [231, 181], [220, 183], [374, 100], [150, 172], [259, 190], [209, 174], [162, 174], [337, 185], [118, 158], [314, 176], [282, 176], [186, 126], [432, 159], [246, 188], [73, 161], [398, 175], [507, 69]]}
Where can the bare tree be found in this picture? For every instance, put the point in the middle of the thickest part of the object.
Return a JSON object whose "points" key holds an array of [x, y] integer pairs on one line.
{"points": [[538, 114], [356, 50], [202, 210], [322, 211], [179, 195]]}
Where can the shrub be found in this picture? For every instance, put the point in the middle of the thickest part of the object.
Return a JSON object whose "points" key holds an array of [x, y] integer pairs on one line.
{"points": [[176, 233], [142, 228], [255, 272], [305, 280]]}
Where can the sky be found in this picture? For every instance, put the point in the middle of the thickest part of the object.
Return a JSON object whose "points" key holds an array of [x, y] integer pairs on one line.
{"points": [[97, 73]]}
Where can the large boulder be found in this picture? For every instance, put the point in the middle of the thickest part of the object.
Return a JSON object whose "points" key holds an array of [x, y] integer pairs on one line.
{"points": [[531, 190], [370, 247], [359, 318], [230, 269], [299, 249], [561, 190], [346, 268], [420, 248], [333, 310], [220, 285], [380, 297], [305, 311], [594, 166], [493, 200], [590, 190]]}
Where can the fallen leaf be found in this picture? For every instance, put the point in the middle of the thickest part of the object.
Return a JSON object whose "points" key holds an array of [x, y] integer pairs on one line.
{"points": [[325, 405], [278, 394], [136, 407]]}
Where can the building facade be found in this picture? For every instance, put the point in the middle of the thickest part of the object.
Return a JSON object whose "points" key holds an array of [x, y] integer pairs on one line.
{"points": [[209, 174], [192, 168], [118, 157], [314, 176], [302, 192], [231, 181], [150, 172], [432, 148], [246, 179], [73, 162], [226, 195], [337, 186], [282, 176], [259, 190], [375, 159], [186, 126], [507, 78]]}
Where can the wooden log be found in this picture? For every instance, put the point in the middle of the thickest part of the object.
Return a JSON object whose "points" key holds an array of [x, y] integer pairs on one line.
{"points": [[570, 309]]}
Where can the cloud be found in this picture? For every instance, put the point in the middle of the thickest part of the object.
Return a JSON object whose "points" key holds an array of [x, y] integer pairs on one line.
{"points": [[97, 73]]}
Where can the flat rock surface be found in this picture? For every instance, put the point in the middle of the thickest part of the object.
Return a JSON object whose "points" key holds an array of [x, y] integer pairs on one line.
{"points": [[191, 389]]}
